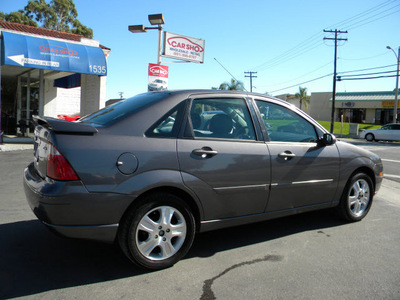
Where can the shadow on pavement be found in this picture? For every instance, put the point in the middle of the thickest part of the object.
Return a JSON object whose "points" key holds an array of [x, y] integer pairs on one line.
{"points": [[209, 243], [33, 260]]}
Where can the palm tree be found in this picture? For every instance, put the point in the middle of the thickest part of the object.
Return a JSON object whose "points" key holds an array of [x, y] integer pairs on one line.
{"points": [[233, 85], [303, 98]]}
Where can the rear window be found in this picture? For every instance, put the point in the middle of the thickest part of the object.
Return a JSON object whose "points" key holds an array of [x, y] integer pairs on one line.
{"points": [[123, 108]]}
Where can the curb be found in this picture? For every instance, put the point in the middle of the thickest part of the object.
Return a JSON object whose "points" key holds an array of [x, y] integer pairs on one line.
{"points": [[15, 147]]}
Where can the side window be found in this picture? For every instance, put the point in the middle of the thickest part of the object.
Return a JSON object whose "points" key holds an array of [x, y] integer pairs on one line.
{"points": [[284, 125], [226, 118], [168, 125]]}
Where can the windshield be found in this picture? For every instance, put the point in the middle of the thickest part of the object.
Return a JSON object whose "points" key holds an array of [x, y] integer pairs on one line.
{"points": [[123, 108]]}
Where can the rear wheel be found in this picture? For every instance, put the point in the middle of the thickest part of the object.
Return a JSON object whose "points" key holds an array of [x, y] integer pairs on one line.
{"points": [[369, 137], [357, 198], [157, 233]]}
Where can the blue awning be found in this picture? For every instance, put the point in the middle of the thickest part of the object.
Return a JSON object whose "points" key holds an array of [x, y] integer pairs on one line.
{"points": [[43, 53], [68, 82]]}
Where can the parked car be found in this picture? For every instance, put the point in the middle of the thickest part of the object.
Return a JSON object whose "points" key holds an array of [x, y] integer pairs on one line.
{"points": [[141, 174], [70, 118], [388, 132]]}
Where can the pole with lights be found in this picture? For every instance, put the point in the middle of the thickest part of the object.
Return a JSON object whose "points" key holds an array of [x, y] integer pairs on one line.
{"points": [[156, 19], [396, 92]]}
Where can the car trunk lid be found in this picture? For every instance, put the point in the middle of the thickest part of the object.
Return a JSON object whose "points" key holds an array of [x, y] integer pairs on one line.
{"points": [[45, 138]]}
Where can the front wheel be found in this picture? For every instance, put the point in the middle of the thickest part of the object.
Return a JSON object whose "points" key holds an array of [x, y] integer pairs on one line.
{"points": [[357, 198], [369, 137], [157, 233]]}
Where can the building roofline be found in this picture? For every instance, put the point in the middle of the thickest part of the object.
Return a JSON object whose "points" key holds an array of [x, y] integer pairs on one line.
{"points": [[376, 93], [32, 30]]}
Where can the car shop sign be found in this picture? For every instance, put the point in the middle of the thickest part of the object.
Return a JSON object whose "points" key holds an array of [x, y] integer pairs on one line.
{"points": [[44, 53], [183, 47], [158, 78]]}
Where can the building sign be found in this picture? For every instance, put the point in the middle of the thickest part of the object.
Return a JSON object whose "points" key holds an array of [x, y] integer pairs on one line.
{"points": [[42, 53], [183, 47], [389, 104], [158, 78], [349, 104]]}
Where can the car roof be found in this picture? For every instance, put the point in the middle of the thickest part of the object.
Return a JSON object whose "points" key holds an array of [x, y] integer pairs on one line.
{"points": [[190, 92]]}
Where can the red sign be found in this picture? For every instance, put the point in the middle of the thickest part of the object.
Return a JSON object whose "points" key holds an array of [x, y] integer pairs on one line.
{"points": [[58, 50], [158, 78], [184, 43], [158, 71]]}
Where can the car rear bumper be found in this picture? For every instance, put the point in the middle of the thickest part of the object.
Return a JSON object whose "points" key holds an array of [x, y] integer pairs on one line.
{"points": [[67, 208]]}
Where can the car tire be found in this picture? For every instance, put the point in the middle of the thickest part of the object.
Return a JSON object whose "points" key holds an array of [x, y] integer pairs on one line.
{"points": [[357, 197], [158, 232], [369, 137]]}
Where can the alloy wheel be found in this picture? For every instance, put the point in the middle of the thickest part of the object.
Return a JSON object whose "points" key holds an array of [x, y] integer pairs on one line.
{"points": [[161, 233]]}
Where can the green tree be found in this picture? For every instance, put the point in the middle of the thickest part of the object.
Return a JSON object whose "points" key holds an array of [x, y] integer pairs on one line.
{"points": [[233, 85], [58, 15], [303, 98], [17, 17]]}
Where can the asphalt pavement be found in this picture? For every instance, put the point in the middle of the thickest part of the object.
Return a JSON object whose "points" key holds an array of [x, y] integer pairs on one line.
{"points": [[309, 256]]}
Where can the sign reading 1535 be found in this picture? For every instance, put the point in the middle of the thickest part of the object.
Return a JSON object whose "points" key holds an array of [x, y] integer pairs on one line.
{"points": [[98, 69]]}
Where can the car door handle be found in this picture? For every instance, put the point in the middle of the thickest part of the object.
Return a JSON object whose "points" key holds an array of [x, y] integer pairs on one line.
{"points": [[204, 152], [287, 155]]}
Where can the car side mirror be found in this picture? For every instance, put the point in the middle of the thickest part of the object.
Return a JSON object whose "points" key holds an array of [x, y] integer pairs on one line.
{"points": [[328, 139]]}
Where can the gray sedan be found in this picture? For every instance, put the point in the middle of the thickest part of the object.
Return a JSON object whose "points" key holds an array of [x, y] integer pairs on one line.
{"points": [[151, 171]]}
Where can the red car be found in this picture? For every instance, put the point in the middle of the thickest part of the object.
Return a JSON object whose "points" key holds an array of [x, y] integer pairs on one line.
{"points": [[70, 118]]}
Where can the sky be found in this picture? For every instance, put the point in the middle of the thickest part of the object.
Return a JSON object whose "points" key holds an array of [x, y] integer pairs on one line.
{"points": [[283, 41]]}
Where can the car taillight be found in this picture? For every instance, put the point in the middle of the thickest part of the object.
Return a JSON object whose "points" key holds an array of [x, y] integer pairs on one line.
{"points": [[58, 167]]}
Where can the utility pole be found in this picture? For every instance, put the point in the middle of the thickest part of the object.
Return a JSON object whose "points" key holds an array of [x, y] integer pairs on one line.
{"points": [[251, 76], [336, 39]]}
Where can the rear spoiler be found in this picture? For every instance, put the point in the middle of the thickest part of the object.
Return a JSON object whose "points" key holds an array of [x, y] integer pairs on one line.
{"points": [[62, 126]]}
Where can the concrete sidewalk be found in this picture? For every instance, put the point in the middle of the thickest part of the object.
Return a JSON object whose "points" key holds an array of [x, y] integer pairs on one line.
{"points": [[13, 143]]}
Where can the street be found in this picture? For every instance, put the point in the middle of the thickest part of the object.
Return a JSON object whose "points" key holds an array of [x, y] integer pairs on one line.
{"points": [[309, 256], [389, 155]]}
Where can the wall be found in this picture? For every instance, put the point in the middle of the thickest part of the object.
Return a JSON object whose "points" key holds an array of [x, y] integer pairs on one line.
{"points": [[59, 100], [88, 98], [93, 93], [320, 106], [290, 98], [370, 116]]}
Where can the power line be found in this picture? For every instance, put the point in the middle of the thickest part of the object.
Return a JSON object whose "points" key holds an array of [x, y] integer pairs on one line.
{"points": [[313, 41], [365, 58], [347, 22], [330, 74], [289, 54], [297, 84], [367, 21], [364, 78], [229, 72], [303, 75], [361, 70], [366, 74]]}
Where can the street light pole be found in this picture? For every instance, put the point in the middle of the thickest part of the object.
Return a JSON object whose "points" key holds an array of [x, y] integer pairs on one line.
{"points": [[156, 19], [159, 44], [396, 92]]}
